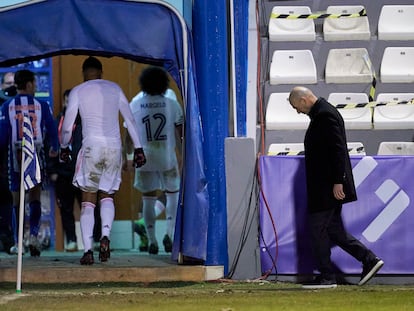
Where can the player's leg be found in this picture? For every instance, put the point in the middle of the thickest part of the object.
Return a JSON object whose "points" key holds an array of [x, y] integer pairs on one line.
{"points": [[107, 213], [147, 182], [139, 225], [171, 181], [86, 163], [15, 189], [87, 221], [148, 208], [35, 215], [65, 198], [109, 183]]}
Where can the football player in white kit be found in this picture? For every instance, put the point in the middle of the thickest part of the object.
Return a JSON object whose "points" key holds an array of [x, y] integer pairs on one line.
{"points": [[159, 119], [99, 162]]}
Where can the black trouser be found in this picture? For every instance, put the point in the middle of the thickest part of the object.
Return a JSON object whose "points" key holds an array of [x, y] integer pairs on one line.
{"points": [[6, 210], [66, 193], [97, 228], [327, 229]]}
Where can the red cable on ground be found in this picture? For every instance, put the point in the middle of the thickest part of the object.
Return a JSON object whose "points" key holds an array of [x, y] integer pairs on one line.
{"points": [[274, 260], [262, 139]]}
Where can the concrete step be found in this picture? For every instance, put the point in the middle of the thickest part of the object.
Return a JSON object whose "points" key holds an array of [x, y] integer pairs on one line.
{"points": [[123, 266]]}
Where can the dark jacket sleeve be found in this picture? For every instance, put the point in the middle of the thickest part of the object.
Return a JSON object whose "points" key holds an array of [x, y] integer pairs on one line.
{"points": [[4, 128], [51, 128]]}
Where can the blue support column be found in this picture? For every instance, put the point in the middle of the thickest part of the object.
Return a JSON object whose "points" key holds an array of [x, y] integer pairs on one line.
{"points": [[212, 63], [241, 18]]}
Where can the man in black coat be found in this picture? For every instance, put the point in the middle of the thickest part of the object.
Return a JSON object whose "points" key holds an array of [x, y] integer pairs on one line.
{"points": [[330, 184]]}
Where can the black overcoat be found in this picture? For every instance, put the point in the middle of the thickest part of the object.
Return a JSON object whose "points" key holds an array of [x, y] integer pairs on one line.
{"points": [[326, 157]]}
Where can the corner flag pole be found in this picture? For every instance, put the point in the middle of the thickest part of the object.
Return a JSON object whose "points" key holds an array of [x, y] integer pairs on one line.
{"points": [[29, 177], [21, 225]]}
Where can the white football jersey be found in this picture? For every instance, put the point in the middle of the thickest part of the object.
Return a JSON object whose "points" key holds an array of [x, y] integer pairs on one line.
{"points": [[99, 103], [156, 118]]}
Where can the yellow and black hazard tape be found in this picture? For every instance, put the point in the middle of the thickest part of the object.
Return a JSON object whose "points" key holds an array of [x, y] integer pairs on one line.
{"points": [[374, 78], [302, 152], [286, 153], [374, 104], [361, 13]]}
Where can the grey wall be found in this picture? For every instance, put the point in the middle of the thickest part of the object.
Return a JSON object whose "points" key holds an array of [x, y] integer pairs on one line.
{"points": [[241, 153], [242, 216]]}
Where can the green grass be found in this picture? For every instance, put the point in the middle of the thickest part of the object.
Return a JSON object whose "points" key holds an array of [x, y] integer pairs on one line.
{"points": [[181, 296]]}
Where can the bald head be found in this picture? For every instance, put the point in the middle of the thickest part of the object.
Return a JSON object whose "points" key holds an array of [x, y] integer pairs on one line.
{"points": [[302, 99], [7, 80]]}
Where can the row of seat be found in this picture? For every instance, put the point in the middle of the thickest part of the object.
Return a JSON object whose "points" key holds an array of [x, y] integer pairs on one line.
{"points": [[354, 148], [352, 65], [281, 116], [395, 23]]}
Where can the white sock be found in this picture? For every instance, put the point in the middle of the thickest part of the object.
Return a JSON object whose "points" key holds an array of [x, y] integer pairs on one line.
{"points": [[87, 220], [171, 211], [148, 204], [107, 215], [159, 208]]}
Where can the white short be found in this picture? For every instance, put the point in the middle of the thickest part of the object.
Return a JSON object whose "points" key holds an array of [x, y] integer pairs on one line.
{"points": [[98, 168], [147, 181]]}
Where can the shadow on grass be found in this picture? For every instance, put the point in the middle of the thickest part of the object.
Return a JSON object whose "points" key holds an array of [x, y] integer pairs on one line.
{"points": [[69, 286]]}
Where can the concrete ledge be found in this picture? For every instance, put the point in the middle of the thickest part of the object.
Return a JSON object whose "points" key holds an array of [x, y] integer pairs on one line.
{"points": [[121, 267], [109, 274]]}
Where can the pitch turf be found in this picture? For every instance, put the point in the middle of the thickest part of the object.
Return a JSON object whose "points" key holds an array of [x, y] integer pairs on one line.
{"points": [[220, 296]]}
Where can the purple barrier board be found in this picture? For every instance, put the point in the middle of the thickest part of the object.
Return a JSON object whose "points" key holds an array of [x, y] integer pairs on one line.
{"points": [[382, 218]]}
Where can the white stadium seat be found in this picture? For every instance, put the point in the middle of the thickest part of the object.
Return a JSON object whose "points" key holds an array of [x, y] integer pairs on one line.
{"points": [[292, 67], [394, 116], [356, 148], [283, 29], [396, 148], [281, 116], [355, 118], [352, 28], [397, 65], [348, 66], [396, 22], [286, 149]]}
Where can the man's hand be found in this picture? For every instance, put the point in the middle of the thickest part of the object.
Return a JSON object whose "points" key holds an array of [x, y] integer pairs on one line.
{"points": [[65, 155], [338, 191], [139, 157]]}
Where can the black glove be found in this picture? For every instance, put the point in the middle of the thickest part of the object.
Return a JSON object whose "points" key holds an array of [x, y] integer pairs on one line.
{"points": [[65, 155], [139, 157]]}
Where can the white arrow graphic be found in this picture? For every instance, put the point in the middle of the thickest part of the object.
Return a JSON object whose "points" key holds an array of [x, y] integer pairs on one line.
{"points": [[391, 211]]}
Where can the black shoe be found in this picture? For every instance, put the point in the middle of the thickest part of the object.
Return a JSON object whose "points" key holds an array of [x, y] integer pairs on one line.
{"points": [[139, 228], [87, 258], [143, 245], [153, 249], [34, 246], [320, 282], [167, 244], [370, 269], [104, 249], [8, 241]]}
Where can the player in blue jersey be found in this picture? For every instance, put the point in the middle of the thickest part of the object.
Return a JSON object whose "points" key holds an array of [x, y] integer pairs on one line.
{"points": [[11, 134]]}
